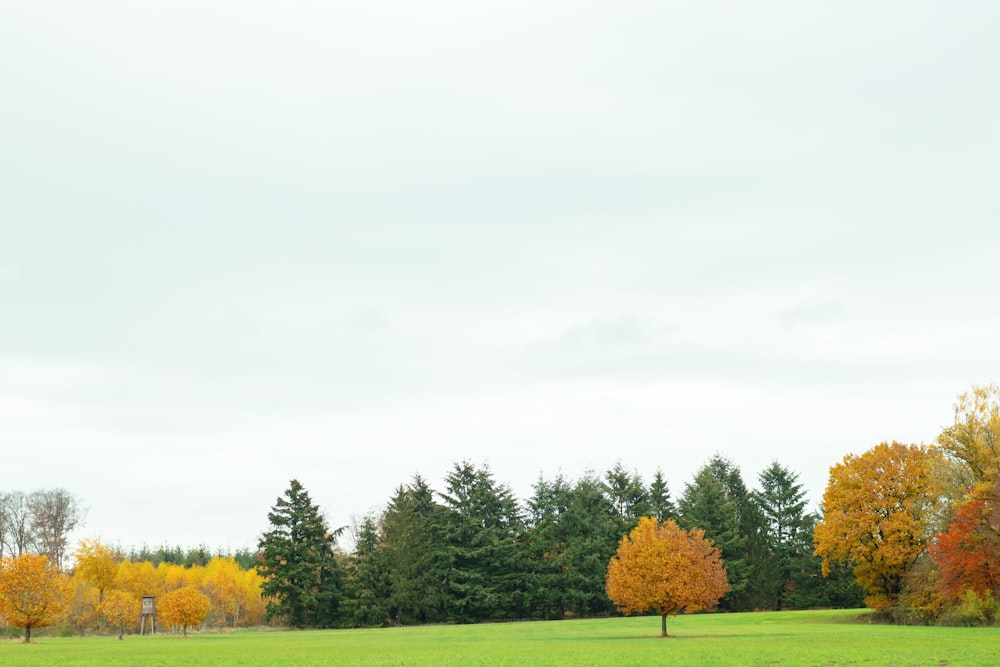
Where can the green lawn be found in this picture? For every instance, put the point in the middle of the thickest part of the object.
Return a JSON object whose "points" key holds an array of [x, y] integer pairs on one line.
{"points": [[771, 638]]}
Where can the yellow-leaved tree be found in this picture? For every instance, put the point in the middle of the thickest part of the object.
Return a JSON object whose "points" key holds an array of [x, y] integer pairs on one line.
{"points": [[973, 441], [664, 568], [139, 578], [877, 511], [119, 609], [96, 564], [234, 592], [184, 607], [32, 593]]}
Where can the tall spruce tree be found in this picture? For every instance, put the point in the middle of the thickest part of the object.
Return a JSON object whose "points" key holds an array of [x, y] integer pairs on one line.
{"points": [[782, 502], [755, 573], [297, 560], [661, 507], [369, 580], [416, 554], [544, 548], [484, 528], [590, 532], [572, 536], [628, 497], [708, 504]]}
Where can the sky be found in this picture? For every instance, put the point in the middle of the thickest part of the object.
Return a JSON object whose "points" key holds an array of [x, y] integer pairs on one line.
{"points": [[348, 242]]}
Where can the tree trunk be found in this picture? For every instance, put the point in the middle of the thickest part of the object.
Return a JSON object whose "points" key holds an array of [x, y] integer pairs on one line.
{"points": [[27, 634], [663, 625]]}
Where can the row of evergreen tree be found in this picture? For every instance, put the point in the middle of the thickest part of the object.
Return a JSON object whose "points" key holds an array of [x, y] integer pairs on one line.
{"points": [[198, 556], [474, 552]]}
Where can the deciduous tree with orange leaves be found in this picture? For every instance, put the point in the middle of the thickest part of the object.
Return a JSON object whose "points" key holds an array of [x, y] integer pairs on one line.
{"points": [[664, 568], [32, 593], [119, 609], [876, 513], [183, 607]]}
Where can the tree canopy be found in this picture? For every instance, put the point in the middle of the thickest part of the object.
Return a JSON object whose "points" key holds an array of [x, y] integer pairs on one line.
{"points": [[666, 569], [32, 592], [184, 607], [876, 513]]}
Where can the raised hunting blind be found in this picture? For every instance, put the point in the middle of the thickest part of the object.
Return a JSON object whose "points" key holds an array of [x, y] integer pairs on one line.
{"points": [[148, 614]]}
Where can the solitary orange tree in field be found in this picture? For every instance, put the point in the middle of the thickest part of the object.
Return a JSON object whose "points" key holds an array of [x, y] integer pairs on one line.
{"points": [[31, 592], [183, 607], [664, 568]]}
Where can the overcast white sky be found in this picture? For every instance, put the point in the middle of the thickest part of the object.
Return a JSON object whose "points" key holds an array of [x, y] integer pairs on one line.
{"points": [[347, 242]]}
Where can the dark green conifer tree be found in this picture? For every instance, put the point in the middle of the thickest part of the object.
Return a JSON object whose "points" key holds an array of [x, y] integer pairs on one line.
{"points": [[628, 496], [782, 503], [544, 548], [302, 575], [484, 529], [416, 552], [368, 581], [661, 507], [708, 504]]}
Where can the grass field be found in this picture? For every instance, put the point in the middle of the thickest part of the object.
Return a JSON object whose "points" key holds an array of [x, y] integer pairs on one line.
{"points": [[825, 638]]}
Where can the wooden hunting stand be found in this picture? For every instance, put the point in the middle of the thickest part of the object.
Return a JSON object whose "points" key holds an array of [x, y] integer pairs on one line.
{"points": [[148, 612]]}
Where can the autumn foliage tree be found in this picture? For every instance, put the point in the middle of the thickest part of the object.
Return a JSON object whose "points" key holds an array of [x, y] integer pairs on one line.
{"points": [[183, 607], [664, 568], [234, 592], [877, 510], [94, 571], [119, 609], [967, 552], [973, 441], [32, 593]]}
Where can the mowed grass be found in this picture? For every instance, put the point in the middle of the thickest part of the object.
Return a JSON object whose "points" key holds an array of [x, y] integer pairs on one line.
{"points": [[825, 638]]}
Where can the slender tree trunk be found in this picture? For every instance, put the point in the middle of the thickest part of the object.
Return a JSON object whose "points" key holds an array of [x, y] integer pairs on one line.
{"points": [[27, 634], [663, 625]]}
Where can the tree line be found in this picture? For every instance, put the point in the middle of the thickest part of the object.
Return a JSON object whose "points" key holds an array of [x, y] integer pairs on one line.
{"points": [[103, 592], [473, 552], [912, 531]]}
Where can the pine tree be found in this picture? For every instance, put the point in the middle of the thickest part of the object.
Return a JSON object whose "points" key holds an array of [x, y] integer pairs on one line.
{"points": [[707, 504], [484, 528], [297, 559], [572, 535], [627, 495], [590, 534], [661, 507], [369, 577], [416, 555], [782, 503], [544, 548]]}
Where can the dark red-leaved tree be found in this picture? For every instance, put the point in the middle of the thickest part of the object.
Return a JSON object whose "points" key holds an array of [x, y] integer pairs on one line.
{"points": [[967, 553]]}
